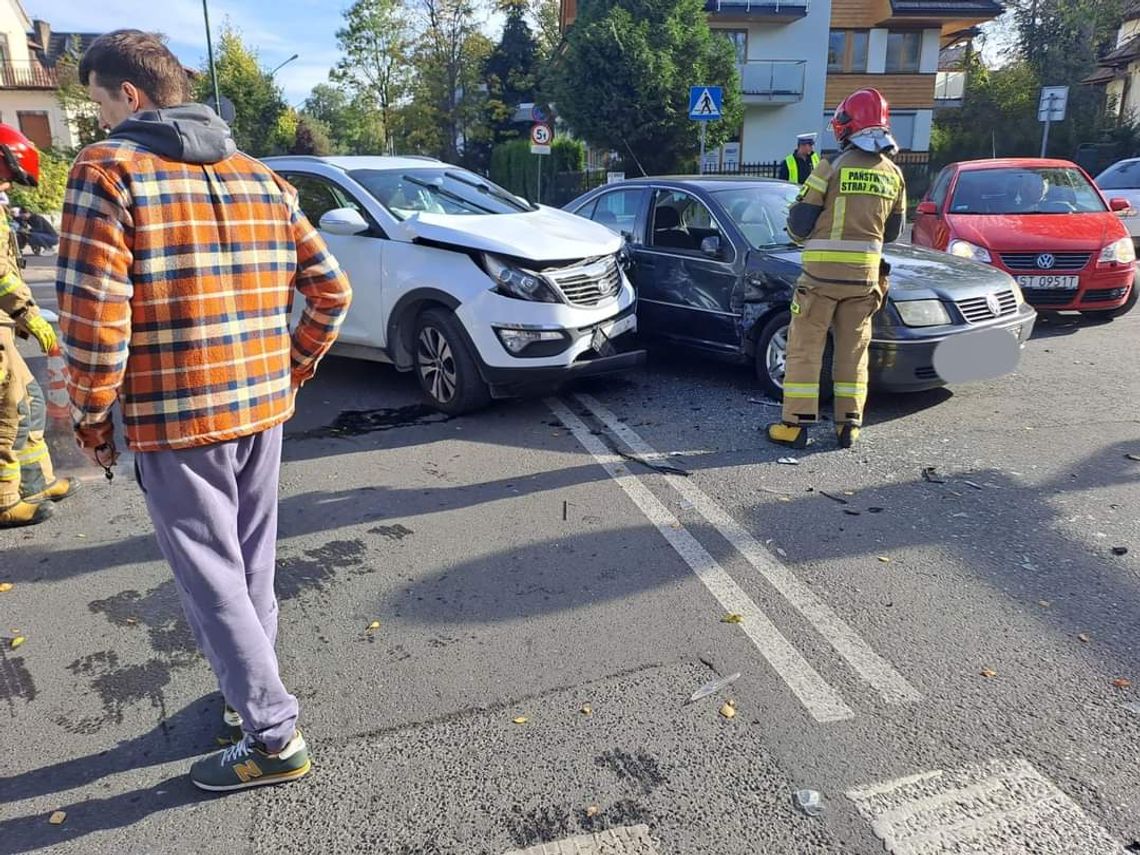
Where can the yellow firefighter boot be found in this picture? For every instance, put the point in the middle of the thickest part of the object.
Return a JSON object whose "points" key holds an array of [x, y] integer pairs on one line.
{"points": [[24, 513], [59, 490], [792, 436], [848, 435]]}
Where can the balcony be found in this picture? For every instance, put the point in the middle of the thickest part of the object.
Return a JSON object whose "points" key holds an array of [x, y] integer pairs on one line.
{"points": [[744, 11], [949, 89], [27, 75], [772, 81]]}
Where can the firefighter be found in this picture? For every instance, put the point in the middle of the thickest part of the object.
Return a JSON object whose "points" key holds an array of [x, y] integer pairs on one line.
{"points": [[847, 209], [28, 485], [800, 164]]}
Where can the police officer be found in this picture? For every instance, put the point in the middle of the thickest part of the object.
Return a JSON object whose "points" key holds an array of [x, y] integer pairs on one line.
{"points": [[847, 209], [28, 484], [800, 164]]}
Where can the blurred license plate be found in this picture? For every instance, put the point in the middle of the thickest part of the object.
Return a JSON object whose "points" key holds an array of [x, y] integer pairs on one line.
{"points": [[1059, 283]]}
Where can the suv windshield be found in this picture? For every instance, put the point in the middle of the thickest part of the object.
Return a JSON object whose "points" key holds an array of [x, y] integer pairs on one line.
{"points": [[760, 212], [1025, 190], [437, 191], [1123, 176]]}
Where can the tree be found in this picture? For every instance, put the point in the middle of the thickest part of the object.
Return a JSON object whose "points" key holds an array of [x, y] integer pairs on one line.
{"points": [[76, 104], [312, 137], [546, 16], [258, 126], [511, 70], [47, 196], [623, 80], [376, 44]]}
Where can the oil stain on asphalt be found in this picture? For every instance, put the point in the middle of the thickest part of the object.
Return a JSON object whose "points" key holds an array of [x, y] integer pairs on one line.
{"points": [[359, 422]]}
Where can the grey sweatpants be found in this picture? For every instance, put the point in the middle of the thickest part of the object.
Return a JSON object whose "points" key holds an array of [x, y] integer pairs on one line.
{"points": [[214, 510]]}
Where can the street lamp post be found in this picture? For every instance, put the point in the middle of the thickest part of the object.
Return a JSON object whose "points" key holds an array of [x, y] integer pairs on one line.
{"points": [[210, 54], [285, 63]]}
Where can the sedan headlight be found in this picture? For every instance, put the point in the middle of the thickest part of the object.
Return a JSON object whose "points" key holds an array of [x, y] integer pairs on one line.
{"points": [[516, 282], [1121, 251], [965, 249], [1017, 295], [922, 313]]}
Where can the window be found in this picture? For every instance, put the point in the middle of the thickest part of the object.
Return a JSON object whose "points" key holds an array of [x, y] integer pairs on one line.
{"points": [[1123, 176], [682, 222], [902, 129], [904, 50], [1025, 190], [618, 210], [941, 186], [739, 39], [5, 54], [35, 126], [405, 193], [847, 51], [317, 196], [760, 212]]}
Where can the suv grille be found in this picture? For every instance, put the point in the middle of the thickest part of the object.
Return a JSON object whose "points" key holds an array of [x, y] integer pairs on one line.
{"points": [[587, 284], [978, 309], [1065, 262]]}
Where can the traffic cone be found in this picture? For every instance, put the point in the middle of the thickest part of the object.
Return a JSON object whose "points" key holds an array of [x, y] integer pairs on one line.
{"points": [[57, 403]]}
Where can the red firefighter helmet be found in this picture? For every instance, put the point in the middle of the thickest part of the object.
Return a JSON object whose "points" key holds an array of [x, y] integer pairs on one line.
{"points": [[863, 119], [19, 160]]}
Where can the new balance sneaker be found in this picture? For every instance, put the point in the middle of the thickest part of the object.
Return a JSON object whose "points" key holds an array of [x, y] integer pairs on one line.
{"points": [[231, 732], [249, 764]]}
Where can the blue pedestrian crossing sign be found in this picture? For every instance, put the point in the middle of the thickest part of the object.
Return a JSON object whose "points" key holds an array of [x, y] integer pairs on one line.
{"points": [[706, 103]]}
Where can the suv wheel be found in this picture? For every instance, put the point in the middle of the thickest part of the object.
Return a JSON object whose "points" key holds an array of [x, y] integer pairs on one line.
{"points": [[1109, 314], [445, 366], [772, 358]]}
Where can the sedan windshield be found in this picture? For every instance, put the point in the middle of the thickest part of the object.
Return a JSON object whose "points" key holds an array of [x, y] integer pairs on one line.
{"points": [[760, 212], [1123, 176], [1025, 190], [437, 191]]}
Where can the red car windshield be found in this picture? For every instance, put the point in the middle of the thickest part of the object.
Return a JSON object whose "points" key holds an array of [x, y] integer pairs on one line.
{"points": [[1025, 190]]}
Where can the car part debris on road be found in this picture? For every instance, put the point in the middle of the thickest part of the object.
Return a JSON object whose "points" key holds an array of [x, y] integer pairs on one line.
{"points": [[809, 801], [714, 686]]}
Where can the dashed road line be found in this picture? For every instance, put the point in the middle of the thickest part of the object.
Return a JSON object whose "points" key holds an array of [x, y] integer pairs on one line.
{"points": [[822, 701], [627, 840], [872, 667]]}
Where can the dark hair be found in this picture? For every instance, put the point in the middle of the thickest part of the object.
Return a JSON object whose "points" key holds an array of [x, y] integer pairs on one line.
{"points": [[132, 56]]}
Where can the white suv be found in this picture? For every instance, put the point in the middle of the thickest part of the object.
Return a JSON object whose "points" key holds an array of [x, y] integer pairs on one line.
{"points": [[480, 292]]}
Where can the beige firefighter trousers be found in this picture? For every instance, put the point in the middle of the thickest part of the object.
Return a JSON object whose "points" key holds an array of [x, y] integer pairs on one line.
{"points": [[846, 311], [25, 465]]}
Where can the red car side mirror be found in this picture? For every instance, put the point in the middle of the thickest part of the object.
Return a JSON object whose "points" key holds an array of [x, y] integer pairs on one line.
{"points": [[1119, 204], [927, 208]]}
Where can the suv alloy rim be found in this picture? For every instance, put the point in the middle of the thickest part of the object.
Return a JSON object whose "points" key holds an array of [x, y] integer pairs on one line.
{"points": [[437, 364]]}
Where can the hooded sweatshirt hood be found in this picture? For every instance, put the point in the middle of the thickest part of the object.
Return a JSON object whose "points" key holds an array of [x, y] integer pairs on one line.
{"points": [[190, 133]]}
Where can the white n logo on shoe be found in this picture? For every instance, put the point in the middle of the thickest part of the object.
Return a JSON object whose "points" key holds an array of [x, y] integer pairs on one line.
{"points": [[247, 771]]}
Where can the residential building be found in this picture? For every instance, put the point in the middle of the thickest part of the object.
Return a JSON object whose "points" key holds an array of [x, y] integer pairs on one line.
{"points": [[799, 58], [30, 59], [1119, 70]]}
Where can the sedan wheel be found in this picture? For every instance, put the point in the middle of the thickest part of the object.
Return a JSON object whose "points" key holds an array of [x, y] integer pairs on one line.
{"points": [[771, 358], [446, 366]]}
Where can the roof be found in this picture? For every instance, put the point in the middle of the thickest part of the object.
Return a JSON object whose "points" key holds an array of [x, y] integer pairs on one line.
{"points": [[947, 8], [1101, 75], [1122, 55], [708, 183], [350, 162], [1132, 10], [61, 45], [1016, 162]]}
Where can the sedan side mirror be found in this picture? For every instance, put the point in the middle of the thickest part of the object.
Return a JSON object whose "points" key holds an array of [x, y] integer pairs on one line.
{"points": [[343, 221], [1119, 204], [710, 246], [927, 208]]}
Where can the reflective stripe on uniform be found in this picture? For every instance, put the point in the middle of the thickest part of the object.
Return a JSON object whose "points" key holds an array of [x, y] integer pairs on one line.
{"points": [[837, 256], [850, 390], [793, 168], [801, 390], [816, 183], [9, 471], [34, 454], [840, 214], [875, 246]]}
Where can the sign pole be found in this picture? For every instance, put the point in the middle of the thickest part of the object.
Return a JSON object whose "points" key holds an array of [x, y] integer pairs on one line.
{"points": [[1048, 121], [539, 199], [701, 170]]}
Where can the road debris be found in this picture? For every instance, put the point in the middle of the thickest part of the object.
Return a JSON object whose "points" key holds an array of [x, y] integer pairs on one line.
{"points": [[593, 810], [1083, 638], [1044, 603], [988, 673], [884, 559], [586, 709], [789, 461], [372, 627], [875, 510], [565, 509], [728, 709], [522, 719], [1131, 456], [839, 499], [664, 468], [1121, 682], [808, 801], [763, 403], [732, 617], [852, 513], [713, 686], [972, 484], [1120, 550], [57, 817], [17, 641], [5, 587], [930, 475]]}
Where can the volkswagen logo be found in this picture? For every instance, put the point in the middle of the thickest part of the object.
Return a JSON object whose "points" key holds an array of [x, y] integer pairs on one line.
{"points": [[1046, 260], [994, 304]]}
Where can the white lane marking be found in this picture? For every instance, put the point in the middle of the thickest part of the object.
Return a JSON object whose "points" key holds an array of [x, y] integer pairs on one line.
{"points": [[822, 701], [1003, 807], [847, 643], [627, 840]]}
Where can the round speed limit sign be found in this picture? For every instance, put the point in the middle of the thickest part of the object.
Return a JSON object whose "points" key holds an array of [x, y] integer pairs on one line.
{"points": [[541, 134]]}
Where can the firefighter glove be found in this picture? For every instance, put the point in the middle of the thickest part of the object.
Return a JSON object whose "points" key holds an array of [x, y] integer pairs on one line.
{"points": [[42, 332]]}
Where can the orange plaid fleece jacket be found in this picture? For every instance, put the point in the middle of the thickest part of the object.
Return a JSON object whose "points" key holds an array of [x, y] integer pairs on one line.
{"points": [[175, 283]]}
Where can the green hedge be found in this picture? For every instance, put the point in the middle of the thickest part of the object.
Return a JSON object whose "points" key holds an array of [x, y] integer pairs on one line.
{"points": [[516, 169], [47, 198]]}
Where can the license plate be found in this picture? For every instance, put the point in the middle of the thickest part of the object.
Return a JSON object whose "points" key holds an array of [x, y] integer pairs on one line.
{"points": [[1054, 282]]}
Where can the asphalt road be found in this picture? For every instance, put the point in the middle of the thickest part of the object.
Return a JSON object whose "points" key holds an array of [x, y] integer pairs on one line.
{"points": [[936, 659]]}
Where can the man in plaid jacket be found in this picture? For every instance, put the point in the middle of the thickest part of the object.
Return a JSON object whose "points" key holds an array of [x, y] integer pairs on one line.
{"points": [[178, 263]]}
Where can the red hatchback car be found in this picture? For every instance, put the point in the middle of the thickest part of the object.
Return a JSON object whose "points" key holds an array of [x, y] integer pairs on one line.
{"points": [[1042, 221]]}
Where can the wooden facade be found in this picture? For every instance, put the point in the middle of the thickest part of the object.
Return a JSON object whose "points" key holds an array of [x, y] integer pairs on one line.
{"points": [[903, 91]]}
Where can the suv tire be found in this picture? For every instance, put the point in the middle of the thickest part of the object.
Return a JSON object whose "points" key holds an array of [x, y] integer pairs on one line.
{"points": [[445, 366]]}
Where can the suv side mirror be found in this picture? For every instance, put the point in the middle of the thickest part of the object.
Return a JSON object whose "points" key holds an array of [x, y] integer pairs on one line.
{"points": [[1119, 204], [710, 246], [343, 221], [927, 208]]}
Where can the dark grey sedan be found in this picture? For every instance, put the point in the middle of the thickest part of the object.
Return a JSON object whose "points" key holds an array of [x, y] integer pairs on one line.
{"points": [[714, 270]]}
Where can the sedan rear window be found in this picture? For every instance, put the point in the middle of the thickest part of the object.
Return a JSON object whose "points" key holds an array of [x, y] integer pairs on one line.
{"points": [[1025, 190], [437, 191], [1123, 176]]}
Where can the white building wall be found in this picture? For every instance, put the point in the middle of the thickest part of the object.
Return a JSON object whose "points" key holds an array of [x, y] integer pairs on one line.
{"points": [[13, 101], [923, 125], [770, 130], [877, 52], [928, 59], [1127, 30]]}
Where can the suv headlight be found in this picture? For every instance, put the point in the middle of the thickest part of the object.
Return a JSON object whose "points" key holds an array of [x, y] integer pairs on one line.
{"points": [[516, 282], [1121, 251], [965, 249], [922, 313]]}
